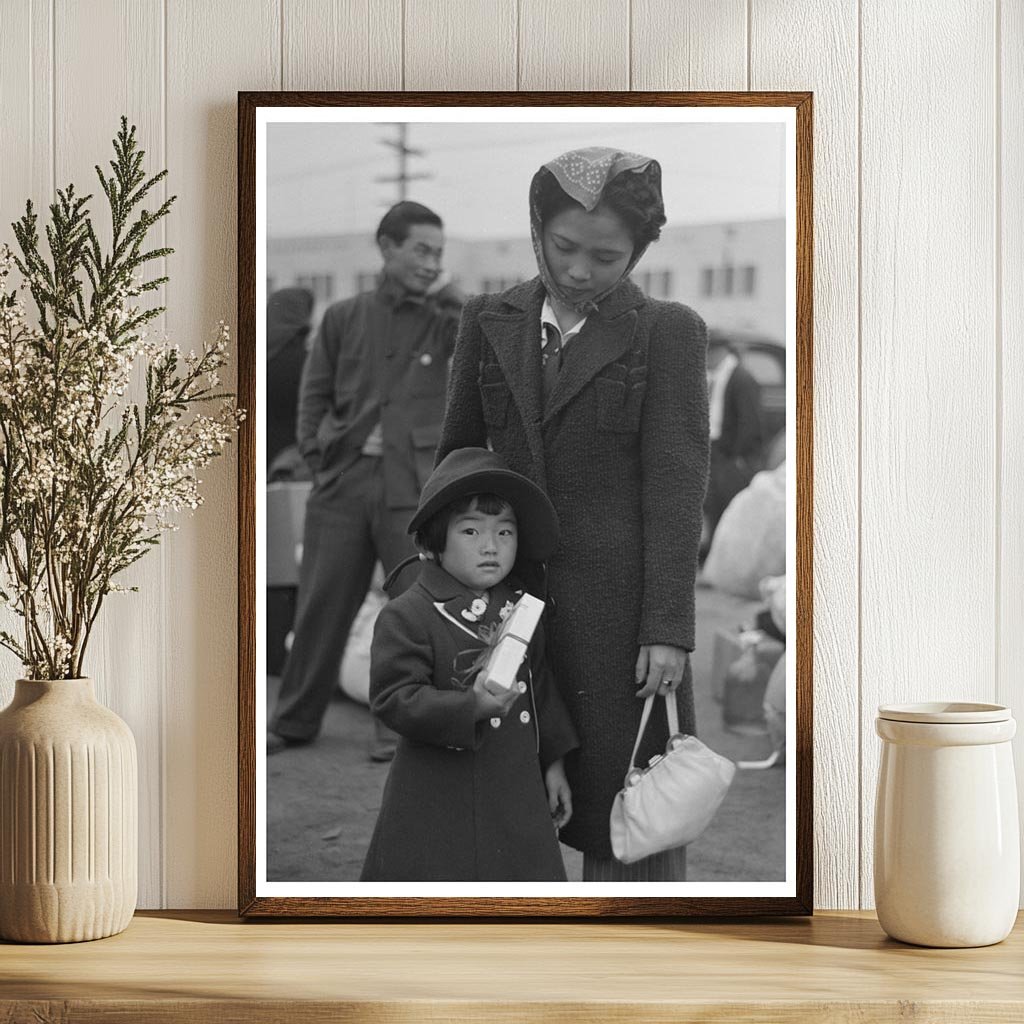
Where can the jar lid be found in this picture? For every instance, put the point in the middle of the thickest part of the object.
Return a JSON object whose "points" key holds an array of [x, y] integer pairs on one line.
{"points": [[945, 712]]}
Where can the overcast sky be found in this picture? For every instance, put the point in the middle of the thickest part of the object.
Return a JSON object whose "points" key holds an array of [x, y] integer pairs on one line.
{"points": [[321, 177]]}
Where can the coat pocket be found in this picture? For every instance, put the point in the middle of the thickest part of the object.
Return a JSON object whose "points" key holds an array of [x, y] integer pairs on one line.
{"points": [[620, 403], [495, 398], [427, 374]]}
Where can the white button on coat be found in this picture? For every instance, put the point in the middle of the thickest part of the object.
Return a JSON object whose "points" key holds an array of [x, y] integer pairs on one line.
{"points": [[495, 722], [524, 717], [522, 686]]}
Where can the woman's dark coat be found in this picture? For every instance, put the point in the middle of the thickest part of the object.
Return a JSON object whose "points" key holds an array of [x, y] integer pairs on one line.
{"points": [[622, 450], [465, 800]]}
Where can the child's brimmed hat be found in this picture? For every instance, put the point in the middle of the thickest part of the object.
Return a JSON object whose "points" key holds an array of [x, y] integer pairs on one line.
{"points": [[479, 471]]}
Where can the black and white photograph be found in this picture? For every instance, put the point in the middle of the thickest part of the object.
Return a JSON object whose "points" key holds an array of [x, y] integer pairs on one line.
{"points": [[525, 502]]}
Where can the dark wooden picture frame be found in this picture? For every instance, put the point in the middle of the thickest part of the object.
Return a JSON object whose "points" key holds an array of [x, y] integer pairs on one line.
{"points": [[254, 905]]}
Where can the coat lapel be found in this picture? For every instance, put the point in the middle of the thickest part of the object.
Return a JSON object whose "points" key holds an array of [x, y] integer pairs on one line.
{"points": [[606, 336], [457, 604], [514, 334], [598, 345]]}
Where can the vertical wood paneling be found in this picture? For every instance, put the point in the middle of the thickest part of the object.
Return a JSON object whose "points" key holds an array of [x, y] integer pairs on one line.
{"points": [[26, 171], [342, 44], [213, 51], [466, 45], [928, 363], [938, 617], [574, 44], [123, 658], [26, 102], [689, 44], [1010, 178], [814, 46]]}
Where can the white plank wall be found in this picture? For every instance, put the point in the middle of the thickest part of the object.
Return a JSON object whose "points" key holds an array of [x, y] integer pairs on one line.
{"points": [[128, 80], [342, 44], [26, 106], [693, 45], [574, 44], [226, 47], [26, 129], [1009, 312], [928, 520], [465, 44], [919, 317], [780, 59]]}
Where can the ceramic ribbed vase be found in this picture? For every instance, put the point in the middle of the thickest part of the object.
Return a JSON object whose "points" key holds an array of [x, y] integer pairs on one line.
{"points": [[68, 815]]}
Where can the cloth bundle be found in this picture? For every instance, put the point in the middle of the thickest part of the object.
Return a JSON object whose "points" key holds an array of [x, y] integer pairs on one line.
{"points": [[750, 542]]}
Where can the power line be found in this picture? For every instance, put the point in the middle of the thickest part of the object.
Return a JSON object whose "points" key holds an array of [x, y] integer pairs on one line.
{"points": [[316, 172], [403, 151], [486, 144]]}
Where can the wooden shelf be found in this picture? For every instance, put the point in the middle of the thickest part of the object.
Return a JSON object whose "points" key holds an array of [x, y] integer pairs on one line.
{"points": [[208, 966]]}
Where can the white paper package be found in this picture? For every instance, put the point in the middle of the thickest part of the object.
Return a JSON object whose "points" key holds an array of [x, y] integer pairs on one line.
{"points": [[512, 644]]}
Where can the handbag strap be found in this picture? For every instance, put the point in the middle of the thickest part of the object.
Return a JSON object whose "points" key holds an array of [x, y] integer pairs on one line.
{"points": [[673, 722]]}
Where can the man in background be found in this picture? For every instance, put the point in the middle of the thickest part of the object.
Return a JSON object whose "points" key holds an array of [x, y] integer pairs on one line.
{"points": [[371, 404], [734, 406]]}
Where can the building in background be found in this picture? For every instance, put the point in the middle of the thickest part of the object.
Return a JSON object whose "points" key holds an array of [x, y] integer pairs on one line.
{"points": [[732, 273]]}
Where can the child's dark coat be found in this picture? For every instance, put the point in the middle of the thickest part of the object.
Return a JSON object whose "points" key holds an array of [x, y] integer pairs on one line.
{"points": [[465, 800]]}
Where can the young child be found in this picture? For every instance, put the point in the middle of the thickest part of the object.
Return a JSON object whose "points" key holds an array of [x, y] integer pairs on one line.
{"points": [[477, 788]]}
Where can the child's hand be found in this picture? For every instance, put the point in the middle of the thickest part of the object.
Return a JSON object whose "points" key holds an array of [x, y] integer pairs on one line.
{"points": [[559, 794], [492, 703]]}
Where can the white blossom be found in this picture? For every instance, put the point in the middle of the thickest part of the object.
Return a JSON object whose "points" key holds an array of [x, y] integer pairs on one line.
{"points": [[89, 485]]}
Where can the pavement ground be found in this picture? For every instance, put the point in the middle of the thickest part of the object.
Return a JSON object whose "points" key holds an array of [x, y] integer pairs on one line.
{"points": [[323, 799]]}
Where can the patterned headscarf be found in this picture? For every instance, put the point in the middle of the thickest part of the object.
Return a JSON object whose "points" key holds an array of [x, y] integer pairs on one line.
{"points": [[584, 174]]}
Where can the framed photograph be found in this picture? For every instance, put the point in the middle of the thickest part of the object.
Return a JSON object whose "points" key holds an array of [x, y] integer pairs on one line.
{"points": [[525, 504]]}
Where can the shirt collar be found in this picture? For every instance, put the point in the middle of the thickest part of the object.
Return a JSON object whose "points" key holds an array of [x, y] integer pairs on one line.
{"points": [[723, 371], [391, 293], [458, 598], [547, 316]]}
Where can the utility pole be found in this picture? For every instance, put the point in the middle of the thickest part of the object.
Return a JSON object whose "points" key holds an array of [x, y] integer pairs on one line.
{"points": [[403, 151]]}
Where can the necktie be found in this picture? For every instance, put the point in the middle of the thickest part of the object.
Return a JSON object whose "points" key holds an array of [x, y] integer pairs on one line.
{"points": [[551, 358]]}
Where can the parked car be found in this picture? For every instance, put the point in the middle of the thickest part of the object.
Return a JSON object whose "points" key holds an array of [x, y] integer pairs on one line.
{"points": [[764, 358]]}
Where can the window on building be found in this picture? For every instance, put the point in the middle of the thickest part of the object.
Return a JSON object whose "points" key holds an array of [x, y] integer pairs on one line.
{"points": [[656, 283], [321, 285], [366, 281], [727, 275], [728, 280]]}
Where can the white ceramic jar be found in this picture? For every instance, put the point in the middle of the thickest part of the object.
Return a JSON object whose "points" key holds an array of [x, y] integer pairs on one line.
{"points": [[947, 847]]}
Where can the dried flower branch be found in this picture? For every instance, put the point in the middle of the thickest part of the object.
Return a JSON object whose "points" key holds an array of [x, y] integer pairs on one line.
{"points": [[88, 478]]}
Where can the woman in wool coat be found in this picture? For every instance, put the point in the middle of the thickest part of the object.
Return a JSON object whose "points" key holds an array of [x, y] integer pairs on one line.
{"points": [[599, 394]]}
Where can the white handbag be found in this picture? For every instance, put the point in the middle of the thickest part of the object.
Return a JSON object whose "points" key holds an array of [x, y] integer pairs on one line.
{"points": [[671, 801]]}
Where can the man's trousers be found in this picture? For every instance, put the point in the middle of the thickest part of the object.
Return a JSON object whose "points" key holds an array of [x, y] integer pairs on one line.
{"points": [[348, 528]]}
